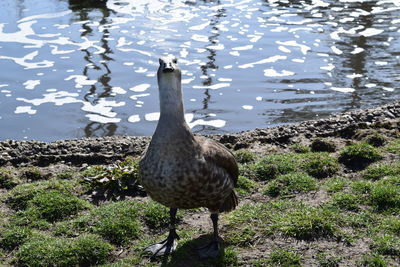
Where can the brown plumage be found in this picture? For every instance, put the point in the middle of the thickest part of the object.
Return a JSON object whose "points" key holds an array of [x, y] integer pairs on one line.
{"points": [[183, 171]]}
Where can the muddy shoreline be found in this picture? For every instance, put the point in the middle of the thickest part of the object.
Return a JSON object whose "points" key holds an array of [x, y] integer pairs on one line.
{"points": [[110, 149]]}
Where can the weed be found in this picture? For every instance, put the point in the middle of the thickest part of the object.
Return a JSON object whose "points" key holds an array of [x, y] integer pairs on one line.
{"points": [[335, 184], [44, 250], [385, 196], [54, 205], [321, 165], [376, 172], [322, 145], [372, 260], [325, 260], [156, 215], [390, 225], [358, 156], [245, 186], [13, 236], [386, 245], [346, 201], [289, 184], [282, 257], [393, 146], [376, 139], [66, 175], [20, 195], [245, 156], [299, 148]]}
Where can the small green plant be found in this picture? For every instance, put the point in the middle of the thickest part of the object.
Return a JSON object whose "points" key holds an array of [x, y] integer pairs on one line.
{"points": [[345, 201], [376, 139], [282, 257], [321, 165], [19, 196], [54, 205], [289, 184], [7, 179], [358, 156], [13, 236], [376, 172], [390, 225], [156, 215], [386, 245], [66, 175], [385, 196], [372, 260], [245, 156], [322, 145], [335, 184], [393, 146], [42, 250], [245, 186], [33, 174], [325, 260], [300, 148]]}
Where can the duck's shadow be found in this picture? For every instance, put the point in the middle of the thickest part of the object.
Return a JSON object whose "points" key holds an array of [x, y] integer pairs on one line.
{"points": [[186, 254]]}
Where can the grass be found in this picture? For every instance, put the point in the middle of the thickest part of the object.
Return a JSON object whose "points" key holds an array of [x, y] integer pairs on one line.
{"points": [[346, 201], [282, 257], [386, 245], [322, 145], [372, 260], [244, 156], [300, 148], [290, 184], [359, 155], [8, 179], [321, 165], [86, 250], [156, 216], [378, 171], [385, 195], [393, 146], [335, 184], [245, 185], [13, 236]]}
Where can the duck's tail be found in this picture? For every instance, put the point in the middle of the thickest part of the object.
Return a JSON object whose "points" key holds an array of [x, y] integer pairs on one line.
{"points": [[230, 203]]}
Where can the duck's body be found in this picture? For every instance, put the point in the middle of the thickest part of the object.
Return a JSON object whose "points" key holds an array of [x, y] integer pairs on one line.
{"points": [[183, 171]]}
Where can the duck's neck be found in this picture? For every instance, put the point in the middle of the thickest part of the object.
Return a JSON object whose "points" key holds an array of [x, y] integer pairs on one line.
{"points": [[172, 124]]}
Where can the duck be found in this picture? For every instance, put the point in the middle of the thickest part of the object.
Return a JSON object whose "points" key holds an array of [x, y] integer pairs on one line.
{"points": [[181, 170]]}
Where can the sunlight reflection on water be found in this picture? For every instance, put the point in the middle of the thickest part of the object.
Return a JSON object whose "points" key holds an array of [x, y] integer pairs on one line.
{"points": [[72, 71]]}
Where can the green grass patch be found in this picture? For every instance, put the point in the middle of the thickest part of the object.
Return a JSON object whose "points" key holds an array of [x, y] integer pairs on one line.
{"points": [[390, 224], [19, 197], [252, 222], [385, 194], [386, 245], [118, 222], [54, 206], [393, 146], [359, 155], [66, 175], [156, 216], [321, 165], [7, 179], [13, 236], [290, 184], [322, 145], [300, 148], [33, 174], [245, 156], [376, 172], [376, 139], [245, 185], [42, 250], [372, 260], [283, 257], [326, 260], [346, 201], [335, 184]]}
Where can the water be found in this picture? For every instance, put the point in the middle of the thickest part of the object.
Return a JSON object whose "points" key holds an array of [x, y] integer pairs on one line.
{"points": [[71, 71]]}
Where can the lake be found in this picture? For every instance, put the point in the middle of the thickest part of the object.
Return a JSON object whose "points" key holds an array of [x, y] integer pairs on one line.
{"points": [[73, 69]]}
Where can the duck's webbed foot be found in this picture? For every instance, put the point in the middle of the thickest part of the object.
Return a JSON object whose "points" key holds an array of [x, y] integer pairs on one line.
{"points": [[164, 247], [210, 250]]}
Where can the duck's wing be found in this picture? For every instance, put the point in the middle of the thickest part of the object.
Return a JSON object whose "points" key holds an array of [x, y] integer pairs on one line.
{"points": [[218, 154]]}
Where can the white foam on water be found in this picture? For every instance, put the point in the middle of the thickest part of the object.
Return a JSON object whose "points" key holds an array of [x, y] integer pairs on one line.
{"points": [[303, 48], [213, 87], [216, 47], [336, 50], [154, 116], [31, 84], [140, 70], [200, 38], [273, 73], [135, 97], [58, 98], [354, 75], [103, 107], [199, 27], [102, 119], [370, 85], [227, 67], [134, 118], [357, 50], [234, 53], [189, 80], [263, 61], [381, 63], [259, 98], [371, 32], [284, 49], [25, 109], [46, 16], [118, 90], [298, 60], [247, 107], [241, 48], [80, 80], [184, 53], [343, 89], [213, 123], [224, 79], [389, 89], [29, 57], [140, 88]]}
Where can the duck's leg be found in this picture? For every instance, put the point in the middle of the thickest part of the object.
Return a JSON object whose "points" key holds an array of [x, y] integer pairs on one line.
{"points": [[212, 249], [169, 244]]}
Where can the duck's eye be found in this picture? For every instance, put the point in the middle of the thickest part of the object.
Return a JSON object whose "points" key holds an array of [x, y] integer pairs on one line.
{"points": [[175, 60]]}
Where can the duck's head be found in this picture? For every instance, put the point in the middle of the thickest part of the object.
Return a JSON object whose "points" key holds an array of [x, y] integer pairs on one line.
{"points": [[169, 72]]}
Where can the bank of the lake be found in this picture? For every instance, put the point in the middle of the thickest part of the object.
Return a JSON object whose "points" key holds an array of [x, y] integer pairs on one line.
{"points": [[318, 193]]}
